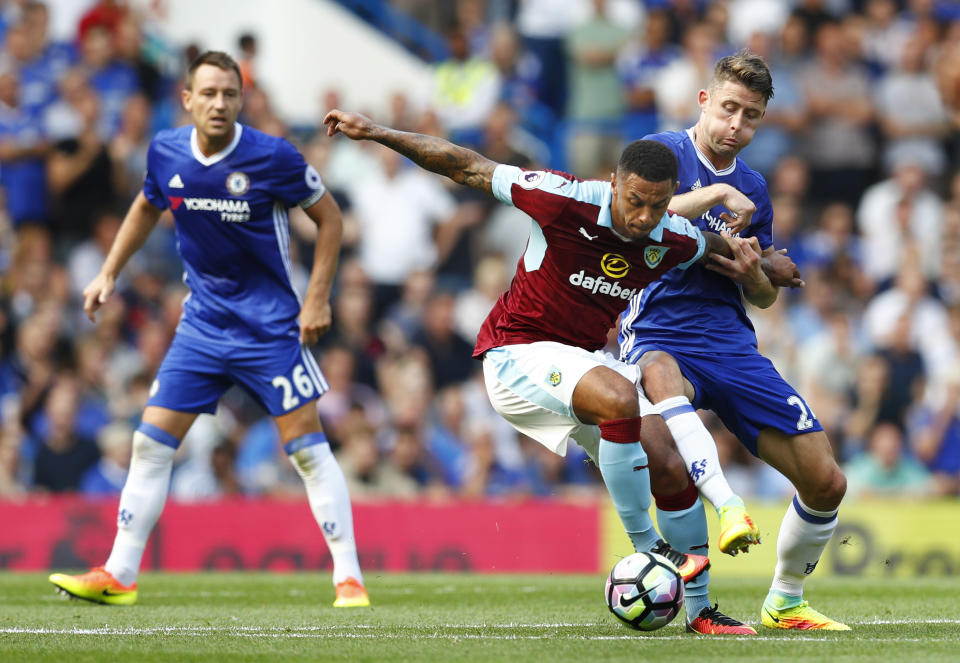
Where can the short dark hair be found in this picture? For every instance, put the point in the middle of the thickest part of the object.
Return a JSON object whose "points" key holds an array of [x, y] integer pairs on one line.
{"points": [[746, 68], [650, 159], [218, 59]]}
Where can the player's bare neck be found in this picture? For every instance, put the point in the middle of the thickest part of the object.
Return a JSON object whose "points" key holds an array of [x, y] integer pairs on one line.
{"points": [[210, 145]]}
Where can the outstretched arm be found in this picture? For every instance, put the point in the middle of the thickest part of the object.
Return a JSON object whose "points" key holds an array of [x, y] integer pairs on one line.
{"points": [[434, 154]]}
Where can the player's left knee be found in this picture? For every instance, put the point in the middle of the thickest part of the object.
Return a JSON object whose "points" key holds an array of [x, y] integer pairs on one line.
{"points": [[831, 487]]}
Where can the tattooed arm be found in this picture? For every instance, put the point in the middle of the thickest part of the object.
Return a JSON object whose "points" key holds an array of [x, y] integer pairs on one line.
{"points": [[434, 154]]}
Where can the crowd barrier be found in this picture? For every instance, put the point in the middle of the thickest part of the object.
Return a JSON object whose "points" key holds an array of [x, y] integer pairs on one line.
{"points": [[878, 538], [482, 536], [874, 538]]}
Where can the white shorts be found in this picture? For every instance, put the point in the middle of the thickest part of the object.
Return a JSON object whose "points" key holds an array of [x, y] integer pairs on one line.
{"points": [[531, 386]]}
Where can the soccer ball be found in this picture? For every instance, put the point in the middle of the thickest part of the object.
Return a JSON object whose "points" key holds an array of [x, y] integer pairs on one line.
{"points": [[644, 591]]}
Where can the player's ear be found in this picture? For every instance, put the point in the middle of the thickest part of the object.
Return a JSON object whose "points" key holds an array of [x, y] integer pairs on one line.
{"points": [[185, 96], [703, 98]]}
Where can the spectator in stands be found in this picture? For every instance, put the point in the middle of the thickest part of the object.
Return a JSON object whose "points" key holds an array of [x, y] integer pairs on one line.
{"points": [[62, 455], [79, 171], [128, 147], [935, 436], [400, 211], [491, 278], [886, 35], [785, 117], [677, 84], [85, 258], [907, 315], [449, 354], [23, 148], [247, 60], [838, 142], [897, 216], [107, 477], [517, 71], [352, 328], [409, 460], [543, 25], [128, 45], [913, 130], [464, 88], [368, 477], [345, 394], [406, 314], [486, 474], [37, 73], [446, 435], [596, 101], [104, 13], [885, 468], [114, 80], [834, 248], [828, 371], [638, 65]]}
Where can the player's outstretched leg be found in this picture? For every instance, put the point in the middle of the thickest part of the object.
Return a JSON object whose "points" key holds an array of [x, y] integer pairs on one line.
{"points": [[803, 536], [623, 464], [682, 520], [807, 460], [699, 451], [141, 502], [330, 504]]}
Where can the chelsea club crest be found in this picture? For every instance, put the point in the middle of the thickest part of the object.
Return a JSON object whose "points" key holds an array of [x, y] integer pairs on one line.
{"points": [[238, 183], [652, 255]]}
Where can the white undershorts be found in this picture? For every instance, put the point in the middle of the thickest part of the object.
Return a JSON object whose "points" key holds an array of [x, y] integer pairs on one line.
{"points": [[531, 385]]}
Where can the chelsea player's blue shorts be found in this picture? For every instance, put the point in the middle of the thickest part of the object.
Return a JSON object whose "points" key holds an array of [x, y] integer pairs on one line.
{"points": [[746, 391], [281, 374]]}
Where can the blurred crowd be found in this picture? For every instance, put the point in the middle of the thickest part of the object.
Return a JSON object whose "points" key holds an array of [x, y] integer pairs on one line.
{"points": [[860, 147]]}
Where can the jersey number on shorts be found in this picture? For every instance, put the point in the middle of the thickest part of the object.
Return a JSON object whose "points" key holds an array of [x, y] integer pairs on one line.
{"points": [[804, 422], [301, 380]]}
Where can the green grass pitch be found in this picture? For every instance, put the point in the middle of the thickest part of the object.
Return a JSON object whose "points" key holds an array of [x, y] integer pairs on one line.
{"points": [[442, 617]]}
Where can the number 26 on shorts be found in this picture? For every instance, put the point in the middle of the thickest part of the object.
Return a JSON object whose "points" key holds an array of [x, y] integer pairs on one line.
{"points": [[302, 383]]}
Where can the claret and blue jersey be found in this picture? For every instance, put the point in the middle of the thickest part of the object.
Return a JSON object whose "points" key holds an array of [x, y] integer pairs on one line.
{"points": [[232, 229], [698, 310]]}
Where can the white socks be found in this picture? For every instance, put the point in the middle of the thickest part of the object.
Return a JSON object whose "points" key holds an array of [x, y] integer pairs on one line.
{"points": [[804, 534], [141, 501], [697, 448], [329, 501]]}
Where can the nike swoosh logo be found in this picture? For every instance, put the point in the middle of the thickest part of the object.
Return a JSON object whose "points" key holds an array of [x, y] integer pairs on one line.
{"points": [[107, 592], [771, 616], [626, 603]]}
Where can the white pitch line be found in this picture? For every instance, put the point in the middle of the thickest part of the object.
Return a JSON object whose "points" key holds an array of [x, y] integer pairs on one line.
{"points": [[371, 632], [205, 632]]}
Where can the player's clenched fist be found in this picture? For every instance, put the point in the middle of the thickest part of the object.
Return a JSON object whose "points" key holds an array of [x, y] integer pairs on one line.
{"points": [[314, 323], [351, 125]]}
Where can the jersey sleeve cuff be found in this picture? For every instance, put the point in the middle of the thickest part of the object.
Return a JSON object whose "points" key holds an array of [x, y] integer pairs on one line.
{"points": [[701, 247], [311, 200], [504, 176]]}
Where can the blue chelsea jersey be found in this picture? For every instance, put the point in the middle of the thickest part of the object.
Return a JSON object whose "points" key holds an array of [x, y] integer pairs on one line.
{"points": [[697, 310], [232, 227]]}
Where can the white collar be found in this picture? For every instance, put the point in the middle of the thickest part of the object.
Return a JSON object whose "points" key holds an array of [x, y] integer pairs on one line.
{"points": [[706, 162], [216, 156]]}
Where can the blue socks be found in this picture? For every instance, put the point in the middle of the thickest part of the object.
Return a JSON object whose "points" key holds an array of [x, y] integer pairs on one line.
{"points": [[683, 522], [623, 464]]}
